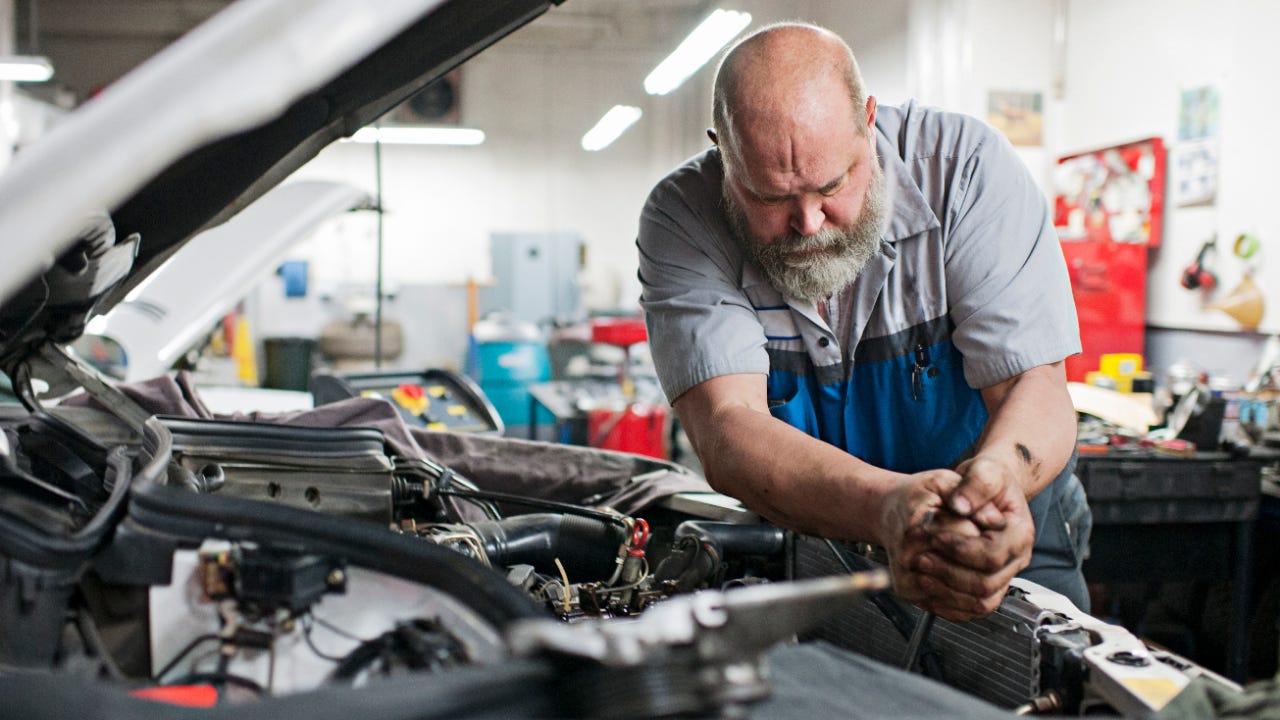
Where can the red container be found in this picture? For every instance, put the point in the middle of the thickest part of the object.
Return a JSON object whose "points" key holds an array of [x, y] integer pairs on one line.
{"points": [[622, 332], [637, 428]]}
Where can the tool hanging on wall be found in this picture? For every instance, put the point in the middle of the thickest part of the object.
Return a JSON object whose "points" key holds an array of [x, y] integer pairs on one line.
{"points": [[1197, 275], [1248, 248], [1246, 303]]}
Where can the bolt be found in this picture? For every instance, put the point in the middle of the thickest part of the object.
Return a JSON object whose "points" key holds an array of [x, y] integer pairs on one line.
{"points": [[1124, 657]]}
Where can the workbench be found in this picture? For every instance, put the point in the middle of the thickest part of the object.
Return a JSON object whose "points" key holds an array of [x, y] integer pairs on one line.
{"points": [[1161, 518]]}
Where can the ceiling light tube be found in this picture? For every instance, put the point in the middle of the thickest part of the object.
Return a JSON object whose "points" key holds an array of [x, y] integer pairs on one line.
{"points": [[702, 44], [608, 128], [419, 135], [25, 68]]}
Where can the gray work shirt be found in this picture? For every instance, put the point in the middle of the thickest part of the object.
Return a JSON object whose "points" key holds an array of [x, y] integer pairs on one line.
{"points": [[969, 290], [969, 240]]}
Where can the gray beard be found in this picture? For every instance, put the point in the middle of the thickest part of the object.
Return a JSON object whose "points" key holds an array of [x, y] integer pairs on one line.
{"points": [[841, 253]]}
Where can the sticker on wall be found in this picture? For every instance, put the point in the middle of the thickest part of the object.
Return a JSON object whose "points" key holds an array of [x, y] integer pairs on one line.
{"points": [[1019, 115]]}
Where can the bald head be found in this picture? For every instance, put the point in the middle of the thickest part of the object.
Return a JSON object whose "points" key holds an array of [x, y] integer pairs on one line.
{"points": [[784, 76]]}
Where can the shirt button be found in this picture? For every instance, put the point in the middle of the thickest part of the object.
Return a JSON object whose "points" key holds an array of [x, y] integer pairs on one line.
{"points": [[823, 342]]}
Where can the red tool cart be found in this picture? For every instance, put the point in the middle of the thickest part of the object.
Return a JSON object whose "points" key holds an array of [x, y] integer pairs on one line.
{"points": [[1107, 211], [632, 426]]}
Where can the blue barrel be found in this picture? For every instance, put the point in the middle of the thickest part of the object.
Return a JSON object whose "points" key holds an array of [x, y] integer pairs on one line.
{"points": [[506, 357]]}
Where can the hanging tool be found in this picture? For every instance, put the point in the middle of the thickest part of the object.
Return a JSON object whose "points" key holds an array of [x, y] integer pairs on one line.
{"points": [[1246, 246], [1197, 275], [1246, 303]]}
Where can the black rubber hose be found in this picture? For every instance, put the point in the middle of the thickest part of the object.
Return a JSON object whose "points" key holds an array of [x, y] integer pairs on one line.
{"points": [[587, 547], [67, 553], [730, 539], [701, 547]]}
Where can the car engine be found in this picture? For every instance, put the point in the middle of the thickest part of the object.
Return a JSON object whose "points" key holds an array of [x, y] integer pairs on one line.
{"points": [[207, 560]]}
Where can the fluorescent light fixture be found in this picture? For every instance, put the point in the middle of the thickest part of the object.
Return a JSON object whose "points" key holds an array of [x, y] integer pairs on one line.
{"points": [[407, 135], [608, 128], [25, 68], [702, 44]]}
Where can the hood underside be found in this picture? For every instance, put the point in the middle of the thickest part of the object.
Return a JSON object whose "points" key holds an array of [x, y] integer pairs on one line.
{"points": [[68, 260]]}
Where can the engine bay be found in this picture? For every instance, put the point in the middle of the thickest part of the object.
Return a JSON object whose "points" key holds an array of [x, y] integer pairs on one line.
{"points": [[157, 561], [236, 561]]}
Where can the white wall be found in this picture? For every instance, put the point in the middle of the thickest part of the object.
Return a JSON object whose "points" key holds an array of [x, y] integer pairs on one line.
{"points": [[1129, 63], [962, 50], [531, 175], [1123, 66], [1120, 66]]}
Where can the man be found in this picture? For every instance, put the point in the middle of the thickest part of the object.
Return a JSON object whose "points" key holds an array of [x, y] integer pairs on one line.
{"points": [[860, 315]]}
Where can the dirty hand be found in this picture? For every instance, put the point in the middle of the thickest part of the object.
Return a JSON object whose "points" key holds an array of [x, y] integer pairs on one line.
{"points": [[911, 514], [981, 543]]}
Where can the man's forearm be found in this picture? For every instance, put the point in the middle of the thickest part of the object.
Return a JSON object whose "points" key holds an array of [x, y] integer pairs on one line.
{"points": [[790, 478], [1032, 427]]}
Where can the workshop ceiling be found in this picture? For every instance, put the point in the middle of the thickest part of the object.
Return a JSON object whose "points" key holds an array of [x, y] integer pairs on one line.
{"points": [[91, 42]]}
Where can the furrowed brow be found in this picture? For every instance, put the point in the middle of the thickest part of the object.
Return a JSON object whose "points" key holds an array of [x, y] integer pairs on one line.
{"points": [[831, 186], [825, 189]]}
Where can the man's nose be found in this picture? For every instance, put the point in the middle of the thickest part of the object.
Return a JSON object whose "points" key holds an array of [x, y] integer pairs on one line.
{"points": [[807, 217]]}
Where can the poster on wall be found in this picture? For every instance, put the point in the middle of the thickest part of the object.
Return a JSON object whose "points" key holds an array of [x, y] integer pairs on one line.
{"points": [[1198, 114], [1019, 115], [1195, 173], [1195, 158]]}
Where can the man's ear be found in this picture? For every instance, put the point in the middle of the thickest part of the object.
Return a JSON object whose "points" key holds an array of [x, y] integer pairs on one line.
{"points": [[871, 112], [711, 133]]}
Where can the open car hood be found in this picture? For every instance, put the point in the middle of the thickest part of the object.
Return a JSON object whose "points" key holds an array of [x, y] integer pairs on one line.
{"points": [[147, 332], [201, 130]]}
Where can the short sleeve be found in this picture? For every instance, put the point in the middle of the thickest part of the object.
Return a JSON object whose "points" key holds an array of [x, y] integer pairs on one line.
{"points": [[701, 324], [1008, 291]]}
